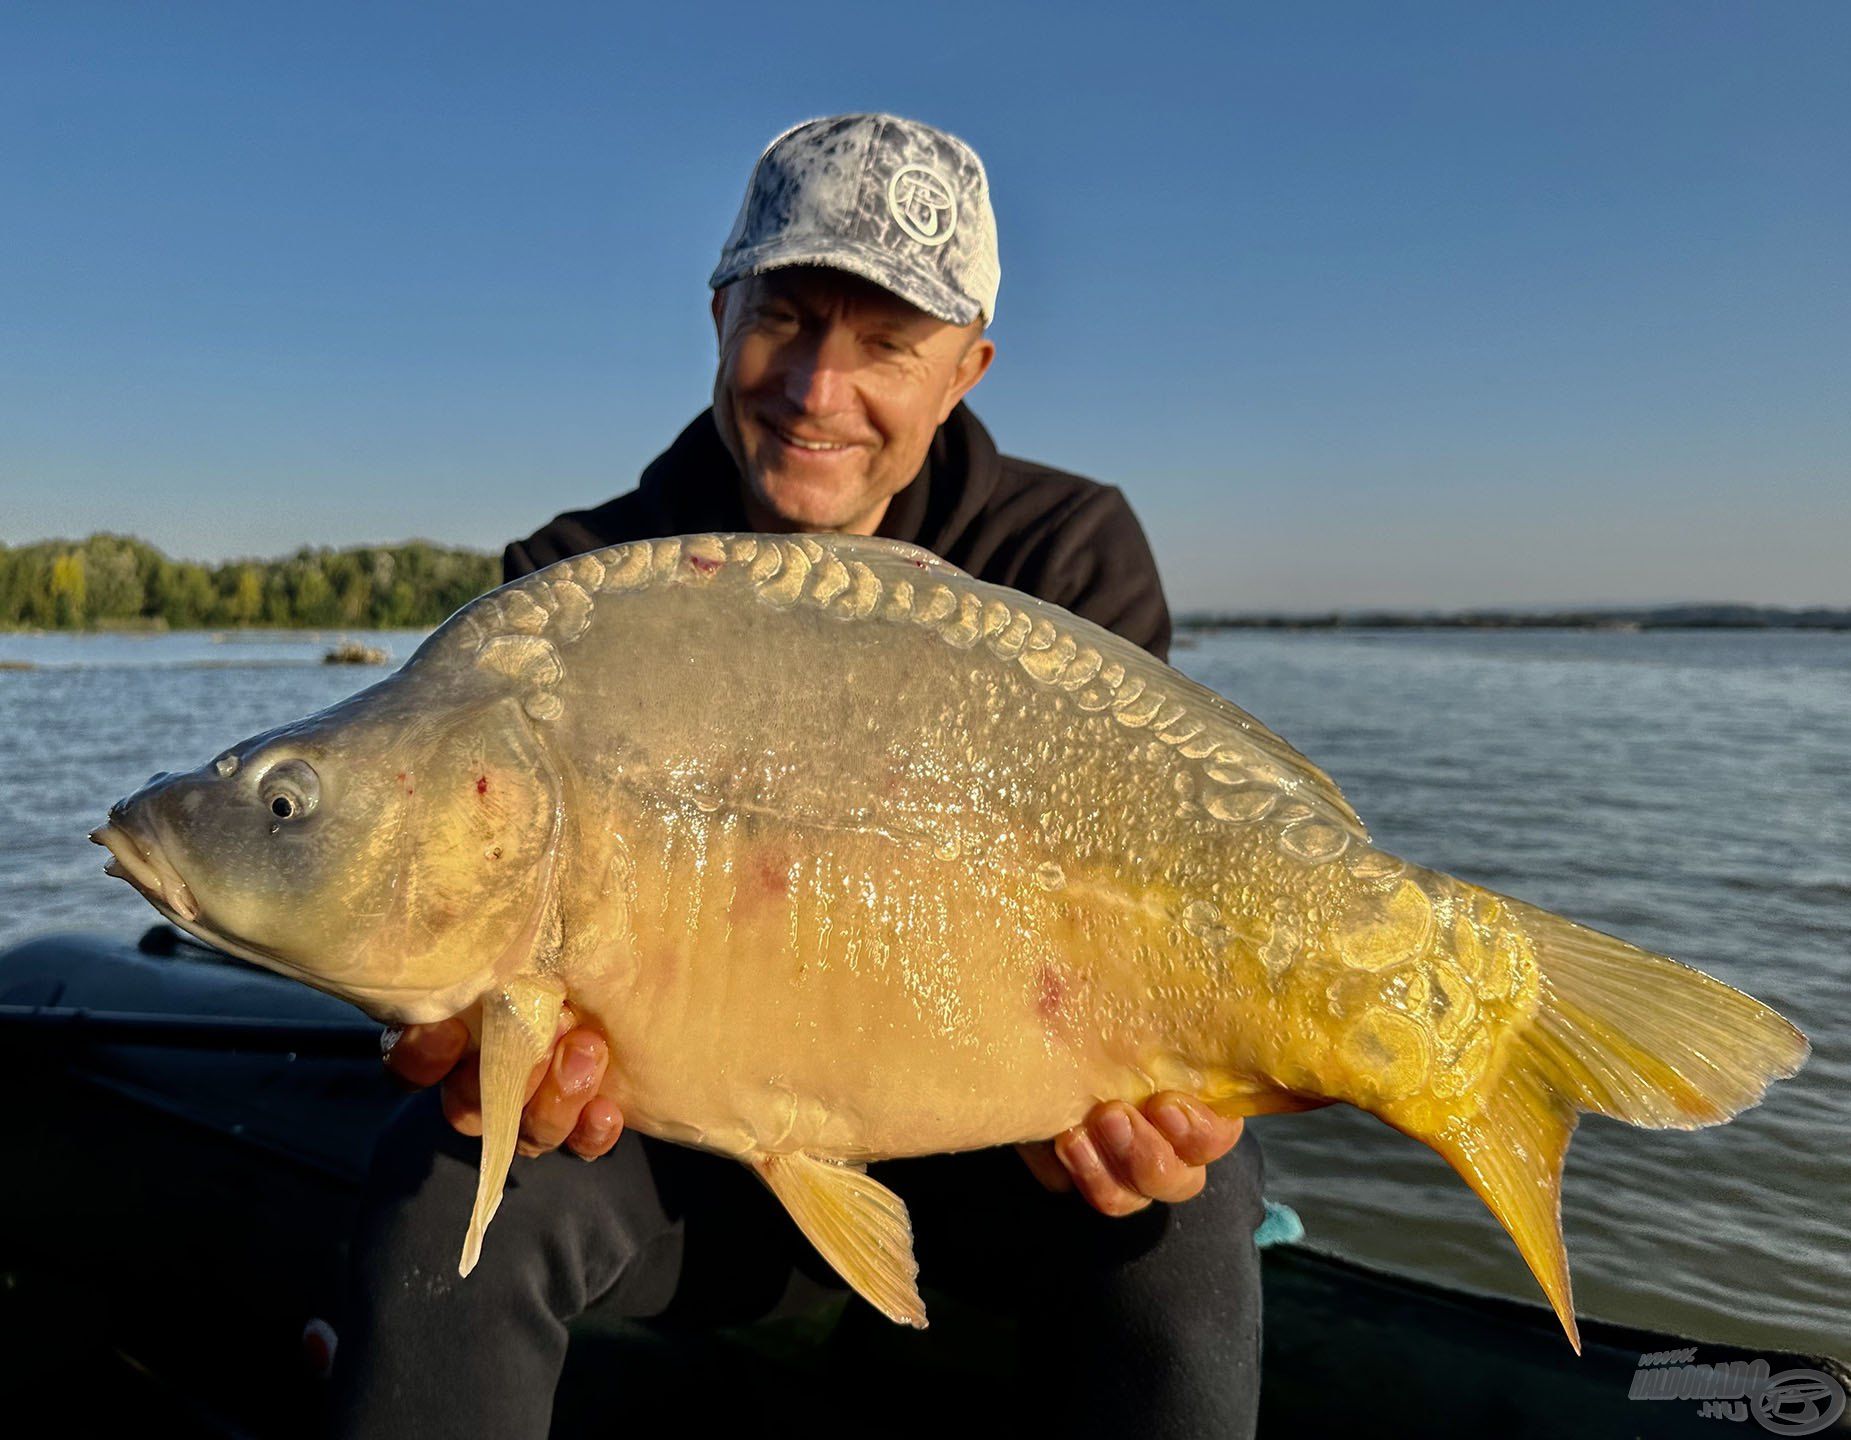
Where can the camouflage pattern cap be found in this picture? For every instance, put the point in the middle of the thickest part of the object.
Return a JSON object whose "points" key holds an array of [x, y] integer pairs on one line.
{"points": [[893, 201]]}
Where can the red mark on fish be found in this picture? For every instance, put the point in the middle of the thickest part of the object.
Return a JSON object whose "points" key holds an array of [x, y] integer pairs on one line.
{"points": [[705, 564], [774, 874], [481, 784], [1052, 990]]}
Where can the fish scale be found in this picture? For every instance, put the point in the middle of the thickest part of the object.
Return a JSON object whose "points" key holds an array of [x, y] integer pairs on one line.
{"points": [[853, 856]]}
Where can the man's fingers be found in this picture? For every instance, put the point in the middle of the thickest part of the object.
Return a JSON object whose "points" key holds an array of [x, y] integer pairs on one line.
{"points": [[599, 1125], [1121, 1160], [1198, 1134], [1139, 1155], [421, 1055], [462, 1097], [1045, 1165], [561, 1090], [1096, 1181]]}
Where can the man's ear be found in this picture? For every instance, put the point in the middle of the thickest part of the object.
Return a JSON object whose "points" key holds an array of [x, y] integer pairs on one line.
{"points": [[719, 313], [972, 367]]}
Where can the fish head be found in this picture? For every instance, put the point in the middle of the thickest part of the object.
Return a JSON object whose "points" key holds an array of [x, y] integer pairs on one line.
{"points": [[392, 852]]}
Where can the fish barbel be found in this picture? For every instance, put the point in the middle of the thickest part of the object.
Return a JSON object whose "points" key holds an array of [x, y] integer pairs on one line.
{"points": [[854, 857]]}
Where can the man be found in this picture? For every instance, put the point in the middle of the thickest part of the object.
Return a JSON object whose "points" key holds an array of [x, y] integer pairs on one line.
{"points": [[850, 304]]}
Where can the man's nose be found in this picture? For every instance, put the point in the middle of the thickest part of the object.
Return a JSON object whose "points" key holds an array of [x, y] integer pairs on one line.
{"points": [[819, 379]]}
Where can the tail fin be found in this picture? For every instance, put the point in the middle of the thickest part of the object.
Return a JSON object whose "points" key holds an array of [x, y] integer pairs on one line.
{"points": [[1619, 1032]]}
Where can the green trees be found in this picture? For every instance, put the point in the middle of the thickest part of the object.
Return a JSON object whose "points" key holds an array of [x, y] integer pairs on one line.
{"points": [[70, 590], [118, 580]]}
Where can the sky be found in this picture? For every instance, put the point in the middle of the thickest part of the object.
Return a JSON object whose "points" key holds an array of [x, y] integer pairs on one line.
{"points": [[1414, 304]]}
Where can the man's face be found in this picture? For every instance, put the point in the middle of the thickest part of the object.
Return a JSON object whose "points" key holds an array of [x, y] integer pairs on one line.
{"points": [[828, 392]]}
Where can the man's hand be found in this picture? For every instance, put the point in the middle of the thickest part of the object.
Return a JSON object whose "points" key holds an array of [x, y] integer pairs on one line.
{"points": [[1120, 1159], [563, 1103]]}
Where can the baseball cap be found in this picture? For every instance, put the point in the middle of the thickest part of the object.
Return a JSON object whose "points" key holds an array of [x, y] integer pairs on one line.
{"points": [[894, 201]]}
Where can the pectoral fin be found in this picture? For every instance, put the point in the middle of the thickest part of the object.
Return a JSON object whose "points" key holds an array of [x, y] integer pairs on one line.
{"points": [[518, 1024], [858, 1225]]}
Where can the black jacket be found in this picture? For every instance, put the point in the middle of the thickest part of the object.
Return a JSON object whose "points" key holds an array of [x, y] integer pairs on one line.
{"points": [[1056, 536]]}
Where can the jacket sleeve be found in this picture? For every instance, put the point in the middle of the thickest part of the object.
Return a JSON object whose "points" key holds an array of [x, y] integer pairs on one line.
{"points": [[1098, 564]]}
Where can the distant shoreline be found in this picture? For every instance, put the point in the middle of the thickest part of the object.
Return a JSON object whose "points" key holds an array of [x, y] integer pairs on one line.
{"points": [[1616, 622], [255, 630], [119, 584], [1662, 617]]}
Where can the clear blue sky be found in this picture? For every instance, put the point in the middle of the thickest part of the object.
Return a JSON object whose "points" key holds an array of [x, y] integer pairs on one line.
{"points": [[1382, 303]]}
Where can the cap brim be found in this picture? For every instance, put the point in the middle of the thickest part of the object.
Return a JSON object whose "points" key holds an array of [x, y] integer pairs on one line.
{"points": [[918, 288]]}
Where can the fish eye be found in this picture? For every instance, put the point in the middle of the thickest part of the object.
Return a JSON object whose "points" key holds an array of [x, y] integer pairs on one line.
{"points": [[290, 789]]}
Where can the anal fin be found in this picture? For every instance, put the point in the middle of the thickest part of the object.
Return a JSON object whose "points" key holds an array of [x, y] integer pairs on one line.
{"points": [[518, 1025], [857, 1224]]}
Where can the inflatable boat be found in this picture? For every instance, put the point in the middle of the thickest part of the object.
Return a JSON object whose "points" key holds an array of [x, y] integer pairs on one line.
{"points": [[185, 1137]]}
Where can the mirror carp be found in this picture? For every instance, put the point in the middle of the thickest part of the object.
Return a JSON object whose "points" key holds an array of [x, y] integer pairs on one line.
{"points": [[855, 857]]}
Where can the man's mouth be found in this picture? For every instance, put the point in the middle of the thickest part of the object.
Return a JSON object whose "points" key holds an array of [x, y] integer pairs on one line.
{"points": [[812, 444], [141, 863]]}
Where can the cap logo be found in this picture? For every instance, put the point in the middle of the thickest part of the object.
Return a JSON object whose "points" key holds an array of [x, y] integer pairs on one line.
{"points": [[923, 203]]}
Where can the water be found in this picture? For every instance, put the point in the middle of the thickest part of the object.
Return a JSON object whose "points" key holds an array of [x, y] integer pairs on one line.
{"points": [[102, 713], [1691, 792]]}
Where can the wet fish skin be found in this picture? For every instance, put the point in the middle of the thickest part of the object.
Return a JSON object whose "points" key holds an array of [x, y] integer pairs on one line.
{"points": [[854, 857]]}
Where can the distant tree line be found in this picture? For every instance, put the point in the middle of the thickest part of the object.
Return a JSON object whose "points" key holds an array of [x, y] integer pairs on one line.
{"points": [[1660, 617], [116, 580]]}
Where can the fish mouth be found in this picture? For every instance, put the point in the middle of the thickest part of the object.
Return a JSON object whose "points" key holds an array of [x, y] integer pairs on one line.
{"points": [[140, 862]]}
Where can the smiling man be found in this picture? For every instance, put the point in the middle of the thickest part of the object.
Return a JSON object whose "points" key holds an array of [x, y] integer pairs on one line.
{"points": [[850, 303], [828, 393]]}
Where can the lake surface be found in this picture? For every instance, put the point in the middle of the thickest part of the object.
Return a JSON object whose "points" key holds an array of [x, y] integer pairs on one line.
{"points": [[1688, 791]]}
